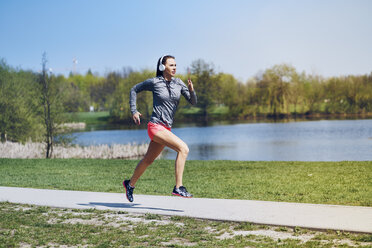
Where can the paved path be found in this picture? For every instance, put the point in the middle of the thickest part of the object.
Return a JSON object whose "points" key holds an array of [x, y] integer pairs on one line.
{"points": [[318, 216]]}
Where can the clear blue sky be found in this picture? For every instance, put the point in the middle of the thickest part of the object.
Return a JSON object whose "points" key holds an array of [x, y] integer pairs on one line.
{"points": [[326, 37]]}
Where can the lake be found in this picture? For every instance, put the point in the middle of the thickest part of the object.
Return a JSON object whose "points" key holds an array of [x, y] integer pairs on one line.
{"points": [[326, 140]]}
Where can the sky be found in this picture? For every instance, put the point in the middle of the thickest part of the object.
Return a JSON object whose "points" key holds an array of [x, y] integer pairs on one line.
{"points": [[240, 37]]}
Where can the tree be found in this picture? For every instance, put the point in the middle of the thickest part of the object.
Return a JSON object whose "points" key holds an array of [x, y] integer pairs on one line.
{"points": [[277, 79], [119, 107], [18, 115], [314, 93], [102, 90], [206, 85], [74, 100], [296, 95], [51, 104], [364, 95], [232, 94]]}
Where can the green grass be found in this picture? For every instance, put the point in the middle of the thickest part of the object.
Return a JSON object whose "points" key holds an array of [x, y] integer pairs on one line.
{"points": [[345, 183], [216, 110], [190, 111], [220, 110], [33, 226], [89, 117]]}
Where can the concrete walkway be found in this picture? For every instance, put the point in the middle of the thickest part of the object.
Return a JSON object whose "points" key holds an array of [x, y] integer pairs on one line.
{"points": [[317, 216]]}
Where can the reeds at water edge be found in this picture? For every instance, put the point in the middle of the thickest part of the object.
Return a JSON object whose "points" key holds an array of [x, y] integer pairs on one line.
{"points": [[37, 150]]}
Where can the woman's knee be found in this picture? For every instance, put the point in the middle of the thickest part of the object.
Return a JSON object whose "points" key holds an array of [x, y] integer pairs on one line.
{"points": [[184, 149]]}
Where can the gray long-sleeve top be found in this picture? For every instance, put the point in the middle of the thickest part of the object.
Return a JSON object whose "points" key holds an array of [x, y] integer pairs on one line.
{"points": [[166, 97]]}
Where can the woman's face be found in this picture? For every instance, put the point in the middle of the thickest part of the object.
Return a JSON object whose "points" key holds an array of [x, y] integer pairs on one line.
{"points": [[170, 67]]}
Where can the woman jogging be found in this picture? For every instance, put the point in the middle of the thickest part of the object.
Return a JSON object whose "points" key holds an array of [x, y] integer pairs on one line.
{"points": [[166, 91]]}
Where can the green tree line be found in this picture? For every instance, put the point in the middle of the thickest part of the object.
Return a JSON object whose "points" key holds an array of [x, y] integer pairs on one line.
{"points": [[31, 105], [278, 91]]}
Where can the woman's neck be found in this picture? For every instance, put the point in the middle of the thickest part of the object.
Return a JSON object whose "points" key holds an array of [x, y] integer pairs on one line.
{"points": [[167, 77]]}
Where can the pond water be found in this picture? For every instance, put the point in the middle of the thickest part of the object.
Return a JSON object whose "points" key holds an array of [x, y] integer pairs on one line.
{"points": [[326, 140]]}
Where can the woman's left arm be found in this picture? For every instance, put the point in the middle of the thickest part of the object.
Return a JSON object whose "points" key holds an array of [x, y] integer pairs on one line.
{"points": [[189, 92]]}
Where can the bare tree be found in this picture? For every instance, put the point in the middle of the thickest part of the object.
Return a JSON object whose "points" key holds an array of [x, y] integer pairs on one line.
{"points": [[45, 97]]}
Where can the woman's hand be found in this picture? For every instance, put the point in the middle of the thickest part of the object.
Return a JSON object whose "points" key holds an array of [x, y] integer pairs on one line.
{"points": [[190, 85], [137, 118]]}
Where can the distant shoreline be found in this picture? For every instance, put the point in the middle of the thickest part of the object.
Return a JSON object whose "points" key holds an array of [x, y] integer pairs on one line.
{"points": [[270, 118], [103, 118]]}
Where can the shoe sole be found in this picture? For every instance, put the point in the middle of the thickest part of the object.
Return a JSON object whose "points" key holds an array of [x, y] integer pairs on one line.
{"points": [[126, 191], [181, 195]]}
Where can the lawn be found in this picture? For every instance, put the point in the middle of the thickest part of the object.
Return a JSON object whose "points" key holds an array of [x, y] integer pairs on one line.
{"points": [[345, 183], [35, 226]]}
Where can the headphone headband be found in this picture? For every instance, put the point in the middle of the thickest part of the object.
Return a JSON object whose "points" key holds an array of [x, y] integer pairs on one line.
{"points": [[162, 57]]}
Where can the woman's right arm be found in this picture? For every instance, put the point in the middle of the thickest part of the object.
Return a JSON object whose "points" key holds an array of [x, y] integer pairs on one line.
{"points": [[145, 85]]}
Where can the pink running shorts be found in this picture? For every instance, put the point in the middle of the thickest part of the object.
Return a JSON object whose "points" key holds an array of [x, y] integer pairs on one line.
{"points": [[153, 128]]}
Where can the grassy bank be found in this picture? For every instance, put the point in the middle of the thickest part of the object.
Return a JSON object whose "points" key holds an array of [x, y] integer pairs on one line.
{"points": [[32, 226], [90, 118], [346, 183]]}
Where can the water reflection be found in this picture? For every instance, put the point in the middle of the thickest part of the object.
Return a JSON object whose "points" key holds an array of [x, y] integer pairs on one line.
{"points": [[205, 151]]}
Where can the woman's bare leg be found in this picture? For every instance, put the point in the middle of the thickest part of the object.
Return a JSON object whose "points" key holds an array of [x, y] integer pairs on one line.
{"points": [[169, 139], [152, 153]]}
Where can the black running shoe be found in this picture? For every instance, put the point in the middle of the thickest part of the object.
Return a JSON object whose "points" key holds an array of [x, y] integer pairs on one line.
{"points": [[128, 190], [181, 191]]}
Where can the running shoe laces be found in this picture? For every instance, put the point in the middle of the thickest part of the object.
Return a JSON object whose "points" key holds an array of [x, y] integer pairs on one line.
{"points": [[181, 191], [128, 190]]}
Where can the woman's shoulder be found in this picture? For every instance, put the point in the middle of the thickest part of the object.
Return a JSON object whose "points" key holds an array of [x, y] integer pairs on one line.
{"points": [[156, 79], [178, 81], [161, 79], [150, 80]]}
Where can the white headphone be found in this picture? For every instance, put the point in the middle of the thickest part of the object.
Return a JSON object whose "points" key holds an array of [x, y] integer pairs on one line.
{"points": [[161, 66]]}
